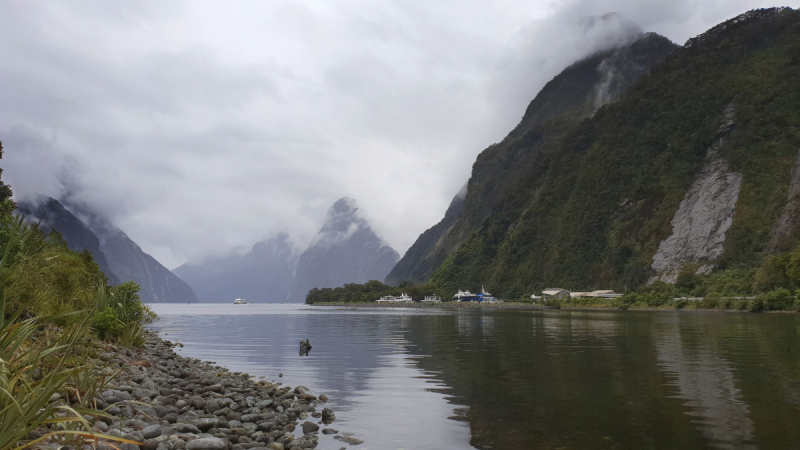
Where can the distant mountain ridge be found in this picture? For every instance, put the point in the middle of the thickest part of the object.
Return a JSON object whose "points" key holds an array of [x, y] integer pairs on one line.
{"points": [[345, 250], [263, 274]]}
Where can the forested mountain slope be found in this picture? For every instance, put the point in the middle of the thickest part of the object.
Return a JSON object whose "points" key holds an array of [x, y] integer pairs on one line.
{"points": [[693, 164], [576, 93]]}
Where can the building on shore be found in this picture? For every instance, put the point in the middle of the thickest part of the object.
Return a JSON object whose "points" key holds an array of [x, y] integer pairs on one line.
{"points": [[555, 293], [595, 294], [560, 294]]}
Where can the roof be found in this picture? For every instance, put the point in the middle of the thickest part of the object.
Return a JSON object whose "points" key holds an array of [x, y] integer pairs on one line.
{"points": [[553, 291]]}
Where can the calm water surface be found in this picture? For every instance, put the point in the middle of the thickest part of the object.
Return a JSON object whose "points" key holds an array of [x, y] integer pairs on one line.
{"points": [[404, 378]]}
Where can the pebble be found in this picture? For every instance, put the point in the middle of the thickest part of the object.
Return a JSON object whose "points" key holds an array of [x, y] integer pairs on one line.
{"points": [[165, 401], [210, 443]]}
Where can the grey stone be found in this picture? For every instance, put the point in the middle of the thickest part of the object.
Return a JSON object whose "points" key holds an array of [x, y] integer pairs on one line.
{"points": [[328, 416], [310, 427], [151, 431], [208, 443], [329, 431], [186, 428], [205, 424]]}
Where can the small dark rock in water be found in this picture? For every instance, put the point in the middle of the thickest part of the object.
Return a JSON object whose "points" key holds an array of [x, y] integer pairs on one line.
{"points": [[329, 431], [348, 440], [323, 398], [310, 427], [328, 416], [305, 347]]}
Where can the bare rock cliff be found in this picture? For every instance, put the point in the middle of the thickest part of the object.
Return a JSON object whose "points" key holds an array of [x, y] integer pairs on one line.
{"points": [[703, 217]]}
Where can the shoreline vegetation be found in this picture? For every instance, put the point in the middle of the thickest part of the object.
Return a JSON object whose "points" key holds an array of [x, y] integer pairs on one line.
{"points": [[764, 290], [80, 370]]}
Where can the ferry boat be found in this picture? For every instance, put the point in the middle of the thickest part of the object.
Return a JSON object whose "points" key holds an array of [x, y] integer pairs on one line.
{"points": [[403, 298], [239, 301], [467, 296]]}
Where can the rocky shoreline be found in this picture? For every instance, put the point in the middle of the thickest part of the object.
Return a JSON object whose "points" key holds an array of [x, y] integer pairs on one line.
{"points": [[164, 401]]}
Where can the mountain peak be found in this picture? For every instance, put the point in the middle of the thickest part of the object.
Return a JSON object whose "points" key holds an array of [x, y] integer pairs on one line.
{"points": [[345, 250]]}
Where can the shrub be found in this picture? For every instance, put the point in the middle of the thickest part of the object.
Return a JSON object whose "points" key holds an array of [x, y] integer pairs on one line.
{"points": [[755, 305], [106, 325], [779, 300]]}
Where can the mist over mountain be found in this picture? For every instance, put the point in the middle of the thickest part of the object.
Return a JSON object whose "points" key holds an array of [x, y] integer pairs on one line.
{"points": [[345, 250], [264, 274]]}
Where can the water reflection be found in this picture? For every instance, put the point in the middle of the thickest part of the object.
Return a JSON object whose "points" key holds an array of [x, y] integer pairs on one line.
{"points": [[359, 360], [406, 378], [706, 382]]}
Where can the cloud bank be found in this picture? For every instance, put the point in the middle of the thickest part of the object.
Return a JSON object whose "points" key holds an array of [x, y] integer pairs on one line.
{"points": [[198, 127]]}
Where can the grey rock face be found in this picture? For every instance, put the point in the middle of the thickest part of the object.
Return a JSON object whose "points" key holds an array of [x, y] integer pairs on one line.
{"points": [[264, 274], [702, 219], [346, 250]]}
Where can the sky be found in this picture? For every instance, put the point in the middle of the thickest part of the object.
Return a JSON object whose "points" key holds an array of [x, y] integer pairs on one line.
{"points": [[200, 127]]}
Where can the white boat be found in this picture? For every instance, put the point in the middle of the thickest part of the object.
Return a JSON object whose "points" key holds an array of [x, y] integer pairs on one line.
{"points": [[403, 298], [463, 296], [432, 299], [239, 301]]}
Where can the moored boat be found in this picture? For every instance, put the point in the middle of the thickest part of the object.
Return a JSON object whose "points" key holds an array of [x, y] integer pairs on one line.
{"points": [[239, 301]]}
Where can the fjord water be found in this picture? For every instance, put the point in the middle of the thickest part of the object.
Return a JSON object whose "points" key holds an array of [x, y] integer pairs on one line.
{"points": [[405, 378]]}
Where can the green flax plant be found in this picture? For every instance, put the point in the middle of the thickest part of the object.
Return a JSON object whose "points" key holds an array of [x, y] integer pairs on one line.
{"points": [[36, 364]]}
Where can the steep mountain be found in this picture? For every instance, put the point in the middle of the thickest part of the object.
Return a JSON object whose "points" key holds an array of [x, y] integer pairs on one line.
{"points": [[575, 94], [346, 250], [420, 261], [264, 274], [51, 214], [129, 262], [694, 165]]}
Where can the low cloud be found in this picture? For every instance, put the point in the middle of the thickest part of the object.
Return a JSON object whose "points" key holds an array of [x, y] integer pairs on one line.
{"points": [[201, 127]]}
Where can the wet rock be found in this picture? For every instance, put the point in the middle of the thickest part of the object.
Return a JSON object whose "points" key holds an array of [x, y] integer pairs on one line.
{"points": [[310, 427], [329, 431], [323, 398], [305, 442], [275, 446], [348, 440], [328, 416]]}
